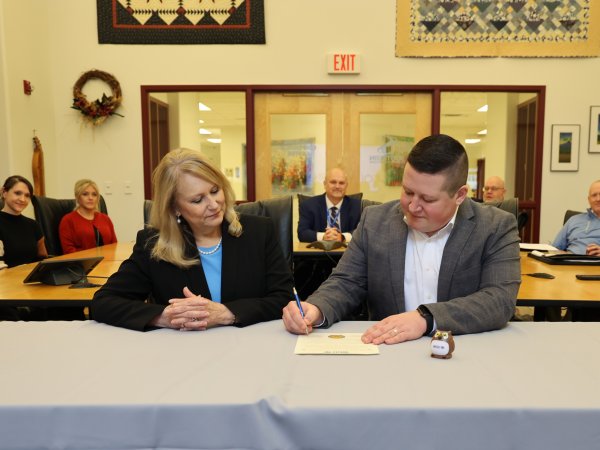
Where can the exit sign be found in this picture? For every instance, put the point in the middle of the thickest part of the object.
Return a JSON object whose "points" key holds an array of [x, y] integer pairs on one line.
{"points": [[343, 63]]}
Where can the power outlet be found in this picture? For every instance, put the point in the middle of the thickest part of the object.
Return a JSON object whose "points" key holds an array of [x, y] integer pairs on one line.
{"points": [[127, 189], [108, 188]]}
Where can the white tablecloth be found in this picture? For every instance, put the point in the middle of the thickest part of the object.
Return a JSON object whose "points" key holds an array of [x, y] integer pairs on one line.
{"points": [[84, 385]]}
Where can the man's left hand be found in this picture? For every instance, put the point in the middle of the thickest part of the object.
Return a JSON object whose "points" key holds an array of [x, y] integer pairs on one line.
{"points": [[593, 250], [333, 234], [397, 328]]}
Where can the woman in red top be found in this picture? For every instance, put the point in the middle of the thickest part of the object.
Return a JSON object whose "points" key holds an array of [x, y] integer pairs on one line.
{"points": [[85, 227]]}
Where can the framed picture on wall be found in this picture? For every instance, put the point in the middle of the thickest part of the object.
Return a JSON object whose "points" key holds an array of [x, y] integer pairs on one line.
{"points": [[565, 148], [594, 142]]}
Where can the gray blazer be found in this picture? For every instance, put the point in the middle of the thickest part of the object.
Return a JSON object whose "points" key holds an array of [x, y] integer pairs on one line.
{"points": [[480, 272]]}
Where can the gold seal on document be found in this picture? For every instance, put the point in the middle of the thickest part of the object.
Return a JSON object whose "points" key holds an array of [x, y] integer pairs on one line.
{"points": [[336, 336]]}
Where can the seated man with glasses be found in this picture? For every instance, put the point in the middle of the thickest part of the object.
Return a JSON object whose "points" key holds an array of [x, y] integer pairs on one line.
{"points": [[493, 190]]}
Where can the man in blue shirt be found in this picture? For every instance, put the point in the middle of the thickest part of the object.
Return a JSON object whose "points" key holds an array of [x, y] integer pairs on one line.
{"points": [[581, 233]]}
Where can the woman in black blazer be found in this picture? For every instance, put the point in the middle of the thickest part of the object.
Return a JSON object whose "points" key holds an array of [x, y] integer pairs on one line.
{"points": [[198, 265]]}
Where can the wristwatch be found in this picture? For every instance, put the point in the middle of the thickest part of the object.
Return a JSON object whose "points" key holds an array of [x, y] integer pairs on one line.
{"points": [[426, 314]]}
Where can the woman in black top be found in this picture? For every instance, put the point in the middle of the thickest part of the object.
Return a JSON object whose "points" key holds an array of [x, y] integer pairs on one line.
{"points": [[22, 237]]}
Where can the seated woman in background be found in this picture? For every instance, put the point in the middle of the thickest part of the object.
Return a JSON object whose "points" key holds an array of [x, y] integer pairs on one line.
{"points": [[22, 238], [85, 227], [199, 265]]}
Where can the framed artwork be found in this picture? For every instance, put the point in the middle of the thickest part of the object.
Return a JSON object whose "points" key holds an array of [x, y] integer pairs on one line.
{"points": [[292, 166], [181, 22], [506, 28], [594, 142], [565, 148], [397, 149]]}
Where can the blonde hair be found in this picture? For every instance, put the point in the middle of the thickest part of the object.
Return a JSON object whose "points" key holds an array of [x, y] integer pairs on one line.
{"points": [[171, 242], [81, 186]]}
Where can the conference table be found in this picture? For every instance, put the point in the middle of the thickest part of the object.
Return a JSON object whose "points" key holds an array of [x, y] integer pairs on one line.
{"points": [[563, 290], [13, 292], [86, 385]]}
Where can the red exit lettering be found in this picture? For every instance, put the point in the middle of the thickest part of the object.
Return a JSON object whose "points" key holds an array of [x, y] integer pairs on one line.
{"points": [[343, 62]]}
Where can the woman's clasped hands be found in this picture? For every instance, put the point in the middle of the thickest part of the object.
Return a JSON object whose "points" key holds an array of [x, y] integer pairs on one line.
{"points": [[193, 313]]}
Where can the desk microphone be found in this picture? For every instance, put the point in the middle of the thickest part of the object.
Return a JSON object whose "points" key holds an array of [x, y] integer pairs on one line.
{"points": [[99, 240]]}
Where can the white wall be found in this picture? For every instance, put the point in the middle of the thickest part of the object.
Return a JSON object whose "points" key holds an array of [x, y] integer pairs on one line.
{"points": [[52, 42]]}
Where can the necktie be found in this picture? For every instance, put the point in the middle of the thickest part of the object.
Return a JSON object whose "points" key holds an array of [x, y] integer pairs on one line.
{"points": [[333, 221]]}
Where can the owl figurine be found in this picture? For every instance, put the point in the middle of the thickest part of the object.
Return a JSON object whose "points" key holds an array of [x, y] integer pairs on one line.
{"points": [[442, 344]]}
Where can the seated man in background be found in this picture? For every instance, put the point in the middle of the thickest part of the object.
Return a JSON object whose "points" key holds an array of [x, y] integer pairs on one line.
{"points": [[493, 190], [581, 233], [331, 216], [436, 259]]}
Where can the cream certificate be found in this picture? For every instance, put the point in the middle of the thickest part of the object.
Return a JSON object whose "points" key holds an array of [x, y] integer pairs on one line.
{"points": [[334, 344]]}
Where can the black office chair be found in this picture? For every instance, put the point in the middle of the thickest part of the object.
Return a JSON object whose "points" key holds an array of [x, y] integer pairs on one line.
{"points": [[1, 203], [365, 203], [510, 205], [522, 220], [280, 211], [147, 210], [302, 197], [570, 213], [49, 212]]}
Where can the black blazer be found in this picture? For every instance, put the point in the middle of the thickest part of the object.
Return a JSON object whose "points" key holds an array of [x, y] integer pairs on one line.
{"points": [[256, 281], [313, 216]]}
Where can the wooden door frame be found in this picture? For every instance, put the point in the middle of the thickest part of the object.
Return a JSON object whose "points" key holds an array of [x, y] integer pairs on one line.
{"points": [[434, 90]]}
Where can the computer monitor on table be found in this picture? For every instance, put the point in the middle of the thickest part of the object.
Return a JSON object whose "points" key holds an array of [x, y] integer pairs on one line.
{"points": [[63, 271]]}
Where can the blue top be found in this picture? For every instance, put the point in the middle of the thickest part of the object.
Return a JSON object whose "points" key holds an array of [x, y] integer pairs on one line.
{"points": [[212, 270], [579, 231]]}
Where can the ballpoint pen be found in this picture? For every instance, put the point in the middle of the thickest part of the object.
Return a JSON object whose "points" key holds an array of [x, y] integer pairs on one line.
{"points": [[299, 306]]}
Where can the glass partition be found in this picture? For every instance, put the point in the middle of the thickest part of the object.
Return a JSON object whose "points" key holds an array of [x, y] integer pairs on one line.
{"points": [[212, 122], [385, 141]]}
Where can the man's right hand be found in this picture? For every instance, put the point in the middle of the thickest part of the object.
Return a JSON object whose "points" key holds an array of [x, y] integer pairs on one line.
{"points": [[333, 234], [293, 321]]}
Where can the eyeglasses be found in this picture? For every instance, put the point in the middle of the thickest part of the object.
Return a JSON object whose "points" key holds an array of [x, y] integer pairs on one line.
{"points": [[491, 188]]}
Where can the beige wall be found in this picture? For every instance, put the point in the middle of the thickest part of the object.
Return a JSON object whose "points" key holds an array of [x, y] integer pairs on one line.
{"points": [[52, 42]]}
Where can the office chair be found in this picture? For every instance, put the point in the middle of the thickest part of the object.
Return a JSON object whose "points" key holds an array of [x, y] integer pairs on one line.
{"points": [[1, 203], [570, 213], [49, 212], [147, 209], [302, 197], [365, 203], [510, 205], [280, 211]]}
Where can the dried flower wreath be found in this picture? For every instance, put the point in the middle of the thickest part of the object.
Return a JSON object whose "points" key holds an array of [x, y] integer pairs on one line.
{"points": [[102, 108]]}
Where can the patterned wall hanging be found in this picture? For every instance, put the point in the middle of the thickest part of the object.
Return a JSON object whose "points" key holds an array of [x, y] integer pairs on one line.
{"points": [[181, 22], [513, 28]]}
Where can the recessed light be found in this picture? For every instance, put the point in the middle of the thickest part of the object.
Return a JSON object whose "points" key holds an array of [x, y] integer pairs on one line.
{"points": [[482, 132], [203, 107], [484, 108], [204, 131], [472, 141], [214, 140]]}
